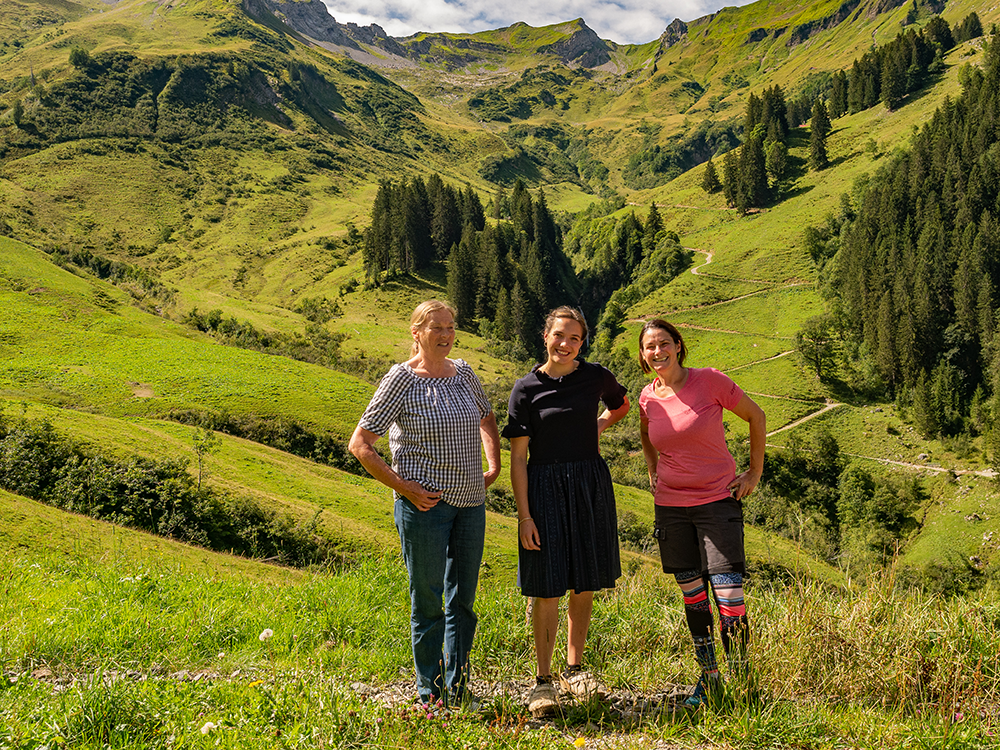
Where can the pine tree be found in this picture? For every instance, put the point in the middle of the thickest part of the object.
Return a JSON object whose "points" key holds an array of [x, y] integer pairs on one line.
{"points": [[730, 175], [446, 220], [463, 278], [472, 209], [752, 190], [652, 227], [838, 94], [710, 181], [970, 28], [775, 161], [819, 128], [378, 236], [856, 89], [417, 245], [938, 31], [894, 78]]}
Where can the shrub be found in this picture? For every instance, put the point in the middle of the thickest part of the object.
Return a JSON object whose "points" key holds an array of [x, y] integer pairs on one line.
{"points": [[158, 496]]}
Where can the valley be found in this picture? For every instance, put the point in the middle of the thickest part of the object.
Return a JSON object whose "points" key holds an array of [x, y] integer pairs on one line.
{"points": [[186, 193]]}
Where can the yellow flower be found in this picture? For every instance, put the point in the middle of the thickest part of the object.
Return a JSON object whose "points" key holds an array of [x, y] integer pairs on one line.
{"points": [[255, 683], [579, 742]]}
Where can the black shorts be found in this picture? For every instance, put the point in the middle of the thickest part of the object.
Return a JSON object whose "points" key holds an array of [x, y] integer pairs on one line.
{"points": [[707, 538]]}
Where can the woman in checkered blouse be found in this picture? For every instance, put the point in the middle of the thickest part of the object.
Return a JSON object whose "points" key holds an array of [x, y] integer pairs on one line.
{"points": [[437, 417]]}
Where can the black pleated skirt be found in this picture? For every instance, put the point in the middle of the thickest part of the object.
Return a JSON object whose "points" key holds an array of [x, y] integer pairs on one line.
{"points": [[573, 506]]}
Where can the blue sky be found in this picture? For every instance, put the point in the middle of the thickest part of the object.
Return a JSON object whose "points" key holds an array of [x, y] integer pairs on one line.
{"points": [[623, 21]]}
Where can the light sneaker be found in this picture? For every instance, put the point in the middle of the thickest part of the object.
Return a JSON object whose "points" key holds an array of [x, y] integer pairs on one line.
{"points": [[543, 699], [581, 684]]}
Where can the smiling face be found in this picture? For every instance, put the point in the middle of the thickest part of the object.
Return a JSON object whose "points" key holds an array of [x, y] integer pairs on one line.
{"points": [[660, 351], [437, 334], [563, 341]]}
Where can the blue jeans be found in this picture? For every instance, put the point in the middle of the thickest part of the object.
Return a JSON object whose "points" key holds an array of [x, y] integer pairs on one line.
{"points": [[442, 548]]}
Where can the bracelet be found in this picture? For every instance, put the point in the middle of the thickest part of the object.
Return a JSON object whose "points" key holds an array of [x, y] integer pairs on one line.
{"points": [[529, 518]]}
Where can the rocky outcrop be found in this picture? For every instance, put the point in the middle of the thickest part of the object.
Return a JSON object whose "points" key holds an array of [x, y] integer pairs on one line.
{"points": [[675, 32], [583, 48], [312, 19], [759, 35], [881, 6], [802, 32]]}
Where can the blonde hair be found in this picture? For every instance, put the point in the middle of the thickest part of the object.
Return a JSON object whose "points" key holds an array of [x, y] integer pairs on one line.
{"points": [[420, 315]]}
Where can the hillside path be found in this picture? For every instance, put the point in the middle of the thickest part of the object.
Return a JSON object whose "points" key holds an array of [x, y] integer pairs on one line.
{"points": [[806, 418], [766, 359]]}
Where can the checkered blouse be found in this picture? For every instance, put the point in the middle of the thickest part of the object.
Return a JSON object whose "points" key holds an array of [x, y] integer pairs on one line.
{"points": [[433, 426]]}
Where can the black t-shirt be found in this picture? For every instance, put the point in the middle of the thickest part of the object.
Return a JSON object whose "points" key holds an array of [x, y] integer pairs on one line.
{"points": [[559, 415]]}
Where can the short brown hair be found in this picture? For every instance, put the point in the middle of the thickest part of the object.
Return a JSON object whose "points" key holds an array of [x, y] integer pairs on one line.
{"points": [[670, 328], [565, 311]]}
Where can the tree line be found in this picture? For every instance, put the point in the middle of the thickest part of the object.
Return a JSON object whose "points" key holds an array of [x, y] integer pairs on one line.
{"points": [[503, 275], [911, 269], [884, 74], [750, 178]]}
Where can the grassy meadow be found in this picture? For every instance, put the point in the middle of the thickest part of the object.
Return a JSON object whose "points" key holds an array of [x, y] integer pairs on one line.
{"points": [[113, 638]]}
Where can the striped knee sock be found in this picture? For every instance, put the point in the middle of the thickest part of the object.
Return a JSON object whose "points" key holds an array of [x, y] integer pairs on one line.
{"points": [[698, 612], [727, 589]]}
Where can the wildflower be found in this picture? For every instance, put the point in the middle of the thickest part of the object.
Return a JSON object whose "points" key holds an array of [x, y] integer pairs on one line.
{"points": [[222, 655], [265, 634], [208, 727], [255, 683], [579, 742]]}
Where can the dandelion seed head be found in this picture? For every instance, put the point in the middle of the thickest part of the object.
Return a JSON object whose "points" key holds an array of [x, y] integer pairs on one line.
{"points": [[265, 634], [208, 727]]}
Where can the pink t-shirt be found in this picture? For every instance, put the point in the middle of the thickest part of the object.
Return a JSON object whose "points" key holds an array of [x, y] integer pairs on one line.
{"points": [[695, 466]]}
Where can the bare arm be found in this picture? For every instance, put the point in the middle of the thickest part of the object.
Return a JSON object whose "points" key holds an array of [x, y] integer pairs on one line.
{"points": [[649, 453], [362, 445], [491, 444], [609, 417], [748, 411], [527, 532]]}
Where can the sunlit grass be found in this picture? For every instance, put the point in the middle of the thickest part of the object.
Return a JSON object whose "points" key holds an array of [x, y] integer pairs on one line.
{"points": [[120, 628]]}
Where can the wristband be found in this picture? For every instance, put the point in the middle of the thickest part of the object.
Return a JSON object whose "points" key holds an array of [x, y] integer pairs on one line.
{"points": [[529, 518]]}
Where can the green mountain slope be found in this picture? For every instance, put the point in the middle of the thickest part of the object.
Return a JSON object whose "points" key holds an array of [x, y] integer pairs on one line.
{"points": [[228, 163]]}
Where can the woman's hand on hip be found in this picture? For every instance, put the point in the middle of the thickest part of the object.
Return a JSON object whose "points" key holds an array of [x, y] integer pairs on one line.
{"points": [[744, 484], [527, 532], [422, 498]]}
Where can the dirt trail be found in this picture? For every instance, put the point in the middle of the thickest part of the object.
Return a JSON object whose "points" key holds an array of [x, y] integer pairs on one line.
{"points": [[766, 359], [797, 422]]}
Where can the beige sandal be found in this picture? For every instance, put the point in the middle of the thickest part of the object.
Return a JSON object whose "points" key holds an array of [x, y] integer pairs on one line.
{"points": [[544, 699], [581, 684]]}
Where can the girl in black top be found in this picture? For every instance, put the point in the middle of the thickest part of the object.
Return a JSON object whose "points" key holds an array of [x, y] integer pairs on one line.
{"points": [[567, 524]]}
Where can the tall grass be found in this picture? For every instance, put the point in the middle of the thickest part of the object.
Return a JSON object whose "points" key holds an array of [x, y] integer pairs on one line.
{"points": [[115, 645]]}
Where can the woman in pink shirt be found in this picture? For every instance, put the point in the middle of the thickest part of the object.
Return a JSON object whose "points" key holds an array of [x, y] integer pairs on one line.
{"points": [[698, 494]]}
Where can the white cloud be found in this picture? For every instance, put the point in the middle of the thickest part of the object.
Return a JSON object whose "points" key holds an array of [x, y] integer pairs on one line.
{"points": [[622, 21]]}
